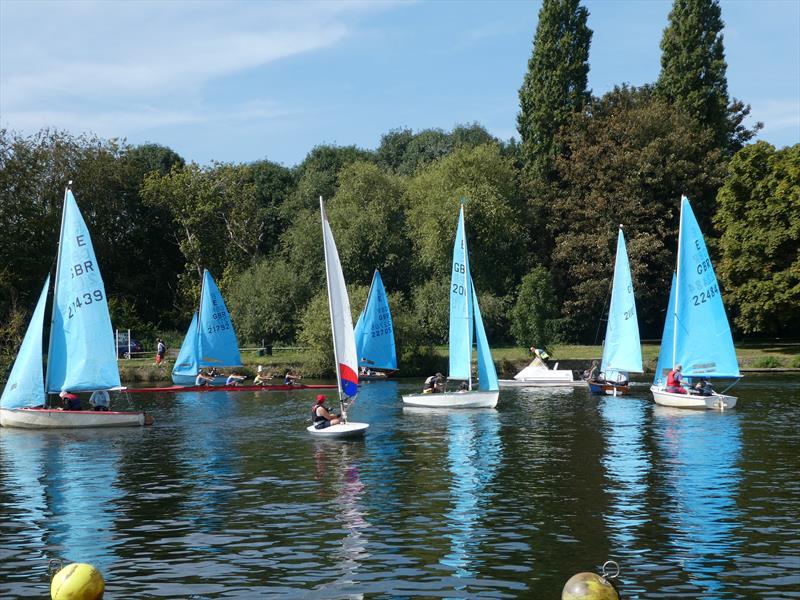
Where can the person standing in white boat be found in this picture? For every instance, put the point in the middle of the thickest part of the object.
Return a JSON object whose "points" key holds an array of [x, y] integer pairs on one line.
{"points": [[321, 416]]}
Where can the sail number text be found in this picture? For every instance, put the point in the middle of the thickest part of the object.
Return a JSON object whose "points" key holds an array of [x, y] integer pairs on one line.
{"points": [[458, 288], [83, 300], [706, 295], [223, 326]]}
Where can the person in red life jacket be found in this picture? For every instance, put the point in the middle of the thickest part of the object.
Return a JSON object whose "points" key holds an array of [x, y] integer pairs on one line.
{"points": [[674, 379], [71, 401], [320, 415]]}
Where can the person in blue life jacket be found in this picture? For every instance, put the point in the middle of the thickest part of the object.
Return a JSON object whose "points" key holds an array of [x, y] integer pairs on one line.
{"points": [[321, 416], [99, 400], [235, 379], [289, 379], [71, 401]]}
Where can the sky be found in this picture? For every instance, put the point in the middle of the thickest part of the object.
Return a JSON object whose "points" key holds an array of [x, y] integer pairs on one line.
{"points": [[245, 81]]}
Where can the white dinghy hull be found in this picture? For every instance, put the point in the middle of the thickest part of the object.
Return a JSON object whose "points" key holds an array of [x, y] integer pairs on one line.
{"points": [[714, 402], [473, 399], [36, 418], [341, 430]]}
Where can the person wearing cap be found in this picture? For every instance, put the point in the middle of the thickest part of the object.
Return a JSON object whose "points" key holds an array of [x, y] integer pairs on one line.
{"points": [[674, 379], [320, 415], [262, 377]]}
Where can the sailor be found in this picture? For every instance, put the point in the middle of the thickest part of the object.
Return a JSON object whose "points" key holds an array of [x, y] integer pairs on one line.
{"points": [[71, 401], [674, 379], [320, 415], [99, 400]]}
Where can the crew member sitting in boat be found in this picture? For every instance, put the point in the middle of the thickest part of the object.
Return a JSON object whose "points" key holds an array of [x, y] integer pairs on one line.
{"points": [[71, 401], [434, 384], [674, 379], [99, 400], [594, 374], [289, 379], [203, 379], [321, 416], [262, 377], [703, 388], [235, 378]]}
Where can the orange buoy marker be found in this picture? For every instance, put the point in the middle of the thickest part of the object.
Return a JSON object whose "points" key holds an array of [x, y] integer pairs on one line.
{"points": [[591, 586], [77, 581]]}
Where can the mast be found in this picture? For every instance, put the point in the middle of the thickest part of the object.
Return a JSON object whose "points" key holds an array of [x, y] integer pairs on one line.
{"points": [[55, 287], [324, 218], [467, 293], [677, 287]]}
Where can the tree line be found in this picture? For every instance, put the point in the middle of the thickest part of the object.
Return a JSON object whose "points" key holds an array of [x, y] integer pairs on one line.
{"points": [[541, 212]]}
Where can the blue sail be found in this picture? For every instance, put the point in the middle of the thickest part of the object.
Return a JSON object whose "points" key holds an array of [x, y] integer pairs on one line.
{"points": [[622, 350], [374, 333], [217, 344], [703, 341], [460, 311], [665, 363], [25, 386], [83, 355], [186, 362], [487, 375]]}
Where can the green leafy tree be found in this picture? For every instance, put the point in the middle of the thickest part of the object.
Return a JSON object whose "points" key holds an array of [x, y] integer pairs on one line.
{"points": [[274, 184], [405, 152], [535, 309], [631, 156], [494, 213], [555, 85], [759, 217], [368, 218], [693, 72]]}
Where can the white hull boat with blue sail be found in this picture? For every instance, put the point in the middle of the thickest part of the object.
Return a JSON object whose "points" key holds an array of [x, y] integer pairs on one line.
{"points": [[344, 342], [465, 319], [210, 341], [697, 334], [82, 353], [374, 334], [622, 348]]}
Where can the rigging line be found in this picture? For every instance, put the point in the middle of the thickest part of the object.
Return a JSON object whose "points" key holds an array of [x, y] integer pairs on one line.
{"points": [[605, 305]]}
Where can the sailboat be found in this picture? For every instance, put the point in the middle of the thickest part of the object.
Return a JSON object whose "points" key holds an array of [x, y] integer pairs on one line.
{"points": [[344, 342], [465, 318], [697, 334], [375, 349], [210, 340], [622, 349], [82, 354]]}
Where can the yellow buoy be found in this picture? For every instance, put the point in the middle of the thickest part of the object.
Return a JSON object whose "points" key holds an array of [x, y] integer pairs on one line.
{"points": [[588, 586], [77, 581]]}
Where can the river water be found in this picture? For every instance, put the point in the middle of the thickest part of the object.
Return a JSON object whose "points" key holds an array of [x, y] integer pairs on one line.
{"points": [[227, 496]]}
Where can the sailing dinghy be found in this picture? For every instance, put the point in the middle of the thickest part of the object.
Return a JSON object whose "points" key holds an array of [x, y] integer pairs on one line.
{"points": [[622, 349], [697, 334], [344, 343], [210, 341], [465, 317], [375, 349], [82, 354]]}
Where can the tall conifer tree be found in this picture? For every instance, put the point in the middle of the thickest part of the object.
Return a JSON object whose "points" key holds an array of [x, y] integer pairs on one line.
{"points": [[693, 71], [555, 84]]}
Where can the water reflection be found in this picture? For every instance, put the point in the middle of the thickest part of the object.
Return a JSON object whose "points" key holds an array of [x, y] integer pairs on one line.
{"points": [[209, 457], [473, 453], [701, 452], [626, 463], [66, 484]]}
